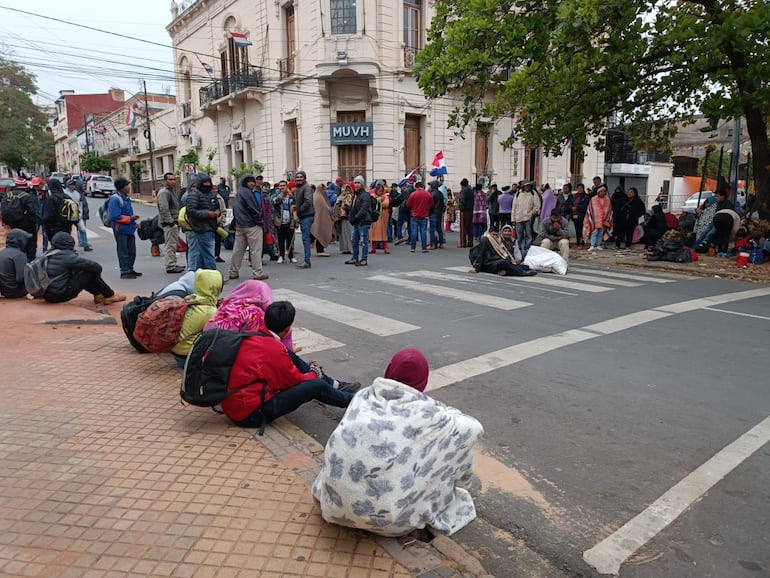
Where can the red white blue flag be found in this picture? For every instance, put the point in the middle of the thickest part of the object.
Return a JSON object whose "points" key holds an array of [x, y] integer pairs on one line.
{"points": [[207, 67], [439, 165], [240, 39], [408, 176]]}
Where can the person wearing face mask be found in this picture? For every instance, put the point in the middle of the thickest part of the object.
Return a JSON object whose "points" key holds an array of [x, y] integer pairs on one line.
{"points": [[203, 210]]}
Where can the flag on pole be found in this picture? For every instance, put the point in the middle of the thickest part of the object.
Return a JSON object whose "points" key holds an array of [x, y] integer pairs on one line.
{"points": [[439, 166], [207, 67], [100, 130], [133, 112], [240, 39], [409, 175]]}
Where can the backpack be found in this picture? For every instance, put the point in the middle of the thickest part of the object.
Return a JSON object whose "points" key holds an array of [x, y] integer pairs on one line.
{"points": [[208, 366], [36, 278], [12, 207], [104, 211], [131, 311], [184, 223], [158, 327], [69, 211], [474, 253], [376, 208]]}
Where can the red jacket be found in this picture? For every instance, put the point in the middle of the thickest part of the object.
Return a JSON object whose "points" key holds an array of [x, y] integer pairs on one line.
{"points": [[260, 358], [420, 202]]}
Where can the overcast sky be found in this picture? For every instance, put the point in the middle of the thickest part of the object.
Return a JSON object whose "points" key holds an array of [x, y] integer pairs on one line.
{"points": [[66, 56]]}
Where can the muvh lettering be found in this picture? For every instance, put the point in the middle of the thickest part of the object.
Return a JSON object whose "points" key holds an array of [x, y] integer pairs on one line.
{"points": [[352, 133]]}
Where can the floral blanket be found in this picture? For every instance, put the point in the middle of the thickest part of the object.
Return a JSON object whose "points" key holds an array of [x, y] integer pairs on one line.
{"points": [[391, 465]]}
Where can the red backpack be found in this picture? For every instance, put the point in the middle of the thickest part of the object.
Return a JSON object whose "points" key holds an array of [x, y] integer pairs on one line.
{"points": [[158, 327]]}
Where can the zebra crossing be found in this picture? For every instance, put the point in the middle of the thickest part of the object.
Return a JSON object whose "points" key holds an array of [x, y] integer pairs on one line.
{"points": [[453, 284]]}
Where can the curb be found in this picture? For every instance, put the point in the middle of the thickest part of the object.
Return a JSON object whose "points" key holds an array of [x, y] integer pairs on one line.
{"points": [[436, 557]]}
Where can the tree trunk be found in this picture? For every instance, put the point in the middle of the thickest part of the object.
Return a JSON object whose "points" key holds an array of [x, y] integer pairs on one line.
{"points": [[760, 149]]}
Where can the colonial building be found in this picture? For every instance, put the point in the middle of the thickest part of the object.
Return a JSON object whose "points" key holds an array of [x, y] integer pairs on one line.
{"points": [[327, 87]]}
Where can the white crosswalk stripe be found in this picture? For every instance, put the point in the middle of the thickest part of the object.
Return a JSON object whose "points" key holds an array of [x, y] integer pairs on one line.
{"points": [[604, 279], [449, 292], [554, 281], [356, 318], [307, 341], [632, 276]]}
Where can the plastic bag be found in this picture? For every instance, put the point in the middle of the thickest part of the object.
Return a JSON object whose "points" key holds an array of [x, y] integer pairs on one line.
{"points": [[545, 261]]}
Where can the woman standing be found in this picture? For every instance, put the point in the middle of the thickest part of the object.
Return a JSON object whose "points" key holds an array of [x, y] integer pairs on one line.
{"points": [[479, 212], [579, 208], [726, 223], [631, 211], [322, 226], [341, 210], [451, 211], [378, 233], [598, 219]]}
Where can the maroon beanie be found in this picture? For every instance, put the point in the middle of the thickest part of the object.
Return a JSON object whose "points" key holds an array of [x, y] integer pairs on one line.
{"points": [[410, 367]]}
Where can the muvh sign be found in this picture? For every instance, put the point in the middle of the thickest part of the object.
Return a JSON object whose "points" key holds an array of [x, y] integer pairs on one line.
{"points": [[352, 133]]}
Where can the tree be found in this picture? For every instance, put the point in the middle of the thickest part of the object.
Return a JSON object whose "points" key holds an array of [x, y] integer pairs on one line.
{"points": [[22, 124], [571, 68], [94, 163], [254, 168]]}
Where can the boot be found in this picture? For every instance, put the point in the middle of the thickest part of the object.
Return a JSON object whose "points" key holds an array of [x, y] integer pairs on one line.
{"points": [[114, 299], [385, 248], [374, 247], [154, 250]]}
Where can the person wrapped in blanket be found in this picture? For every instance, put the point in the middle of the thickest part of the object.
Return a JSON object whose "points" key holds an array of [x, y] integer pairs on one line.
{"points": [[496, 254], [394, 462]]}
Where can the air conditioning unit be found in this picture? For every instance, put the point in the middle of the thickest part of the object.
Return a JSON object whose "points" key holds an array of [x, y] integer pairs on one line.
{"points": [[195, 140], [239, 145], [184, 130]]}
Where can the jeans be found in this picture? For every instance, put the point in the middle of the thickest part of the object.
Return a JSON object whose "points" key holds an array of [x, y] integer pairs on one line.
{"points": [[403, 219], [436, 231], [82, 235], [45, 236], [304, 224], [126, 245], [597, 237], [705, 235], [192, 251], [206, 259], [361, 235], [419, 226], [478, 230], [524, 235]]}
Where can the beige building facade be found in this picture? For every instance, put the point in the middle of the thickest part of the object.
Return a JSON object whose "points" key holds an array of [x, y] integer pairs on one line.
{"points": [[327, 87]]}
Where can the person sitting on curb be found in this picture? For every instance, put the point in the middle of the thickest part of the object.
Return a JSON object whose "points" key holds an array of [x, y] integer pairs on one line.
{"points": [[12, 261], [276, 380], [493, 255], [395, 460], [555, 234], [208, 287], [70, 274]]}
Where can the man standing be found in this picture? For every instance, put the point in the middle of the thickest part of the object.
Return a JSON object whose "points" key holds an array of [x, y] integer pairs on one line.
{"points": [[420, 202], [53, 222], [123, 226], [404, 215], [74, 193], [42, 198], [303, 199], [224, 191], [555, 234], [360, 216], [202, 214], [526, 204], [466, 215], [168, 216], [250, 225], [19, 209]]}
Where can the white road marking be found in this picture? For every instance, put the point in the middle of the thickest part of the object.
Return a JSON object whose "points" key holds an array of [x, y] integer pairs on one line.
{"points": [[480, 365], [92, 233], [356, 318], [613, 551], [737, 313], [599, 278], [312, 342], [470, 297], [633, 277], [106, 229], [476, 279], [559, 281]]}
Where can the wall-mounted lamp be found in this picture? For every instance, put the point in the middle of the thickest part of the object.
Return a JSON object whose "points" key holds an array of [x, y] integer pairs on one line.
{"points": [[342, 57]]}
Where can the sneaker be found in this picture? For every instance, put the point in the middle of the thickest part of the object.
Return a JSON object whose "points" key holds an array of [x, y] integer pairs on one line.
{"points": [[293, 260], [349, 386], [220, 260], [351, 261], [175, 270], [260, 277], [362, 263], [600, 248], [88, 248], [129, 275], [591, 249], [137, 273], [303, 266], [114, 299], [233, 276], [280, 260]]}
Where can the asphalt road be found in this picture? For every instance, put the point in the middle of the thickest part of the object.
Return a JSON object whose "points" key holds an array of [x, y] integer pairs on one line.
{"points": [[602, 393]]}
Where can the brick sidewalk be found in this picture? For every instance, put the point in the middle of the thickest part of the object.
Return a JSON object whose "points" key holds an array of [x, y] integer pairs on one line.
{"points": [[106, 474]]}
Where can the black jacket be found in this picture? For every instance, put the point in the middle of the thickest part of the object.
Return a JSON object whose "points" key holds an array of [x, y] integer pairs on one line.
{"points": [[466, 199], [12, 262], [486, 255], [439, 206], [361, 211], [632, 210], [52, 220], [198, 203], [66, 261]]}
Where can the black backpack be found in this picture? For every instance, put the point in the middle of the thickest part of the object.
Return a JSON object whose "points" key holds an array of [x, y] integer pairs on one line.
{"points": [[376, 208], [208, 366], [131, 311], [13, 207]]}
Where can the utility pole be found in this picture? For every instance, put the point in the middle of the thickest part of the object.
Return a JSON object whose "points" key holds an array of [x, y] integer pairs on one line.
{"points": [[85, 126], [735, 160], [148, 136]]}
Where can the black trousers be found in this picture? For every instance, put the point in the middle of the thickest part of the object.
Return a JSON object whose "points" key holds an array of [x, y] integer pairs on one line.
{"points": [[723, 223], [81, 281]]}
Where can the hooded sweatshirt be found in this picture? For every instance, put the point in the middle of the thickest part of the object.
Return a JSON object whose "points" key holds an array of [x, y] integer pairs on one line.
{"points": [[208, 287], [12, 262], [198, 202], [65, 263]]}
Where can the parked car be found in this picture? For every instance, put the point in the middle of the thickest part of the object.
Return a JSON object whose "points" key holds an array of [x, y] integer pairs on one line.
{"points": [[61, 177], [5, 184], [102, 185], [691, 204]]}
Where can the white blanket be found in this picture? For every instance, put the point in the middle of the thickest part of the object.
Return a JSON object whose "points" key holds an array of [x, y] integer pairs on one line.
{"points": [[391, 465]]}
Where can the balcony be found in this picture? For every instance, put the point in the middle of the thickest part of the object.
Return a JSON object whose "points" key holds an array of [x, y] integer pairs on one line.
{"points": [[232, 85], [286, 67], [410, 52], [186, 109]]}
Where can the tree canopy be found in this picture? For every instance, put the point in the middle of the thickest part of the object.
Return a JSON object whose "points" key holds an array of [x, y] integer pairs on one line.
{"points": [[94, 163], [570, 68], [24, 141]]}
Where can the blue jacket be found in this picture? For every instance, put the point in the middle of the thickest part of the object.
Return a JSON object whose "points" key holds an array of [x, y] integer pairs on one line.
{"points": [[121, 214]]}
